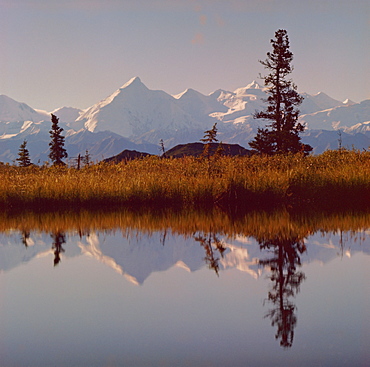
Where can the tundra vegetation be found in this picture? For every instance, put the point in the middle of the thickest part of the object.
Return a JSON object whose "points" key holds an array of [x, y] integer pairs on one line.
{"points": [[337, 179]]}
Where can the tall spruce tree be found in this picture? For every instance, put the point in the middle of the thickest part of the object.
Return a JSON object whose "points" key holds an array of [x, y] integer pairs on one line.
{"points": [[57, 151], [23, 155], [281, 111]]}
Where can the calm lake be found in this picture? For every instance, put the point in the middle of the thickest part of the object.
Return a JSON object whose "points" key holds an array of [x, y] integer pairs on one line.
{"points": [[160, 289]]}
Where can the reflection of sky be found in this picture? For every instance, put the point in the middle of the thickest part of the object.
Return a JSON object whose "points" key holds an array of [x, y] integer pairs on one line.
{"points": [[81, 313]]}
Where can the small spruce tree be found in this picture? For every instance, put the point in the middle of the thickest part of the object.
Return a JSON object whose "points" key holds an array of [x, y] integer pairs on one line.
{"points": [[23, 155], [208, 139], [86, 160], [162, 149], [57, 151]]}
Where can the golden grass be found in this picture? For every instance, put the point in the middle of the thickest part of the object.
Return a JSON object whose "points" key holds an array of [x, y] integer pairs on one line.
{"points": [[334, 179]]}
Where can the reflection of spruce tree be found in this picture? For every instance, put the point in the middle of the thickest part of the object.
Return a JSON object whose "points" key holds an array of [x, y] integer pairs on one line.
{"points": [[25, 236], [211, 243], [58, 240], [286, 282]]}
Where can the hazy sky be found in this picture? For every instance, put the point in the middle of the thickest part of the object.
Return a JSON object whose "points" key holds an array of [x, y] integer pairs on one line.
{"points": [[75, 53]]}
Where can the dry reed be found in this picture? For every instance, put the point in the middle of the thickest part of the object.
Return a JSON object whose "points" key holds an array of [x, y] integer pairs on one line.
{"points": [[332, 180]]}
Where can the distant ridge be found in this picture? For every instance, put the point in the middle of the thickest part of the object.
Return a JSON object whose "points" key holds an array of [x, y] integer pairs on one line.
{"points": [[126, 155], [181, 150], [196, 149]]}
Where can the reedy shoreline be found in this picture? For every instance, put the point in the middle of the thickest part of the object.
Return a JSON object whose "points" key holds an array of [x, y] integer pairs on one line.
{"points": [[334, 180], [279, 223]]}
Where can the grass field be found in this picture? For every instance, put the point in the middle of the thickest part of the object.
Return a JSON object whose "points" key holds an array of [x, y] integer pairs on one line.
{"points": [[332, 180]]}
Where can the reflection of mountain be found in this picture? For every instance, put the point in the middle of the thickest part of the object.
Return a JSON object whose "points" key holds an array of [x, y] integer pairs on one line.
{"points": [[15, 250], [137, 255]]}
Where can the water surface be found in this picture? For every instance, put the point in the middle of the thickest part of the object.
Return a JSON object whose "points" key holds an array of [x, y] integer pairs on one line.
{"points": [[287, 292]]}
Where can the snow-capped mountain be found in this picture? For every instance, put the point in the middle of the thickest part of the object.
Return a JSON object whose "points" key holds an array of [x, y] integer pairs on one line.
{"points": [[134, 109], [69, 116], [318, 102], [343, 116], [136, 112], [16, 117], [135, 117], [13, 111], [362, 127]]}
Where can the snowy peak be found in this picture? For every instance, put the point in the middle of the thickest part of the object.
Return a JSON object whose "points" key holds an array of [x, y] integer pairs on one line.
{"points": [[325, 102], [199, 106], [240, 104], [348, 102], [132, 88], [252, 91], [253, 85], [134, 82], [13, 111], [135, 110], [67, 114], [318, 102], [188, 93]]}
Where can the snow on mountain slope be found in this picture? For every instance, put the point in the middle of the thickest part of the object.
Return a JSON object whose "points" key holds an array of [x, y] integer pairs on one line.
{"points": [[318, 102], [16, 117], [363, 127], [67, 114], [134, 109], [241, 103], [199, 106], [244, 102], [338, 117], [13, 111]]}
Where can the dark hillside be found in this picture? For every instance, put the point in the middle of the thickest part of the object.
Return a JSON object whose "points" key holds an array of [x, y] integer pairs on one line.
{"points": [[196, 149], [126, 155], [190, 149]]}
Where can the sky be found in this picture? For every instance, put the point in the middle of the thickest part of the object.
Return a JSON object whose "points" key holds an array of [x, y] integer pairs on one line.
{"points": [[56, 53]]}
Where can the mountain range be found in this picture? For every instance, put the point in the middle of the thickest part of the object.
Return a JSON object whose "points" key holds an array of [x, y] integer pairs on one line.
{"points": [[137, 118]]}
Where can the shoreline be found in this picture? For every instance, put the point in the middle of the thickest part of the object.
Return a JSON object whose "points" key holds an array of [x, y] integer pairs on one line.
{"points": [[334, 180]]}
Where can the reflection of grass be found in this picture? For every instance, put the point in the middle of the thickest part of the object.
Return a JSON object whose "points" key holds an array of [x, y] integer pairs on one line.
{"points": [[282, 224], [334, 179]]}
